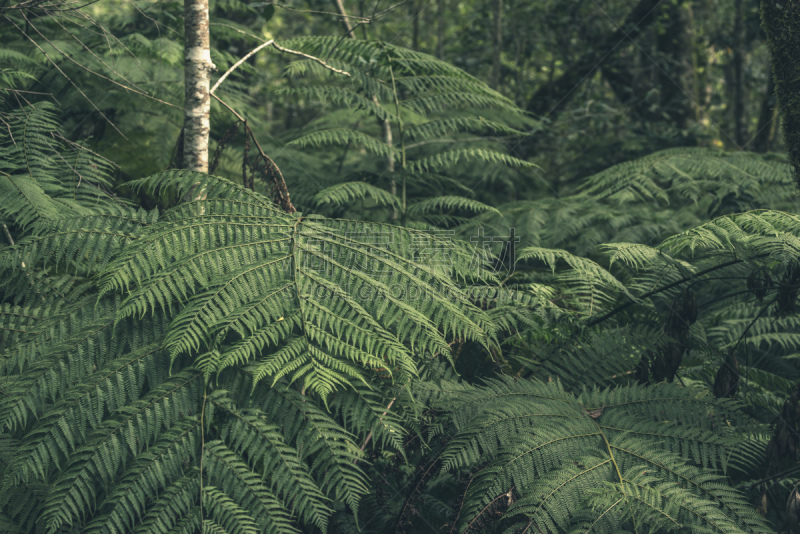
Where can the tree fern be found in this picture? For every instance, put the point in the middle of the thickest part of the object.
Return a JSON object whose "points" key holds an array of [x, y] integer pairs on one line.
{"points": [[430, 109], [547, 451], [329, 304], [223, 366], [136, 420], [39, 178]]}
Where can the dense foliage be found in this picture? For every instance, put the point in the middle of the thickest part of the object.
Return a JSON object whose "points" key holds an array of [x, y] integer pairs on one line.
{"points": [[433, 334]]}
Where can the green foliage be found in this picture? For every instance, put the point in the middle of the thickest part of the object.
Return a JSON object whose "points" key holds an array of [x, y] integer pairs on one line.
{"points": [[421, 119], [211, 381], [44, 177], [322, 302], [222, 366], [605, 460]]}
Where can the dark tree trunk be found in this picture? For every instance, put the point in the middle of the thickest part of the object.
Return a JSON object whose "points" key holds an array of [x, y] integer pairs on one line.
{"points": [[762, 142], [739, 120], [440, 14], [498, 43], [781, 22], [627, 87], [416, 10], [675, 64], [552, 98]]}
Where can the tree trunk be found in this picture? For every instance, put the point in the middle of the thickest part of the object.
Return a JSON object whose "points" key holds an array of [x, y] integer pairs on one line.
{"points": [[675, 62], [345, 20], [764, 132], [619, 73], [440, 8], [739, 124], [416, 9], [781, 22], [498, 43], [550, 99], [197, 76]]}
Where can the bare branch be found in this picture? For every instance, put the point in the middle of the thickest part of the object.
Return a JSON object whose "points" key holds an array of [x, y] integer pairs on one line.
{"points": [[276, 46], [235, 65], [363, 20], [369, 436]]}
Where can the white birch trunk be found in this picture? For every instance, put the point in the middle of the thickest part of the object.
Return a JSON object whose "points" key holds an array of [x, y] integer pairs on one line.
{"points": [[197, 77]]}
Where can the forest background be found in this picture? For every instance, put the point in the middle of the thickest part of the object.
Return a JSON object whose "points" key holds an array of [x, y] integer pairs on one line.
{"points": [[463, 266]]}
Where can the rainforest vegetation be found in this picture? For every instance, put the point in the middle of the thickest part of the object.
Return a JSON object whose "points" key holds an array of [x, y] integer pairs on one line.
{"points": [[474, 266]]}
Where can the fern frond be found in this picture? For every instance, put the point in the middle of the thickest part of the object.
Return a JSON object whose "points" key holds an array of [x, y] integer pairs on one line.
{"points": [[342, 136], [257, 269], [756, 233], [438, 128], [227, 470], [424, 207], [448, 159], [152, 471], [590, 283], [344, 193], [107, 448], [227, 516], [247, 435], [550, 450]]}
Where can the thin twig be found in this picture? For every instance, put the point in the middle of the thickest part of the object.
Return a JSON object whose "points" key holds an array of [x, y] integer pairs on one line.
{"points": [[235, 65], [277, 176], [369, 436], [668, 286], [227, 107], [276, 46], [789, 471], [132, 89], [65, 75], [312, 58], [8, 235], [364, 20], [11, 242]]}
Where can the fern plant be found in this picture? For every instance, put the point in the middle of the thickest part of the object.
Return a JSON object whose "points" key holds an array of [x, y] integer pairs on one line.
{"points": [[223, 366], [609, 460], [232, 398], [406, 122]]}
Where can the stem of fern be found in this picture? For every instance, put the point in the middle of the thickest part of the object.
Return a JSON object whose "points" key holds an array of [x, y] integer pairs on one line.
{"points": [[611, 455], [202, 447], [402, 146], [670, 286]]}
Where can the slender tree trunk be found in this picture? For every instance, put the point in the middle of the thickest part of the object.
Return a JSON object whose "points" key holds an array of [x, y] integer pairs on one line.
{"points": [[764, 132], [619, 73], [197, 77], [781, 22], [440, 7], [739, 125], [345, 21], [498, 43], [551, 98], [675, 58], [385, 124], [415, 13]]}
